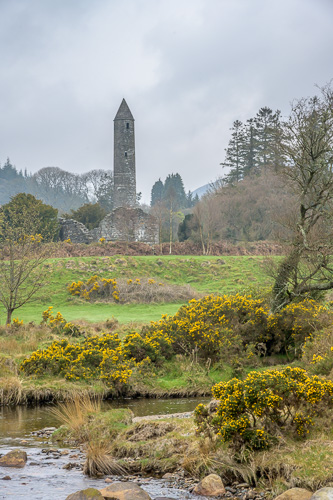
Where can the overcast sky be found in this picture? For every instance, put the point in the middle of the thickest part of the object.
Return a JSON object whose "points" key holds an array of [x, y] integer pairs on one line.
{"points": [[187, 69]]}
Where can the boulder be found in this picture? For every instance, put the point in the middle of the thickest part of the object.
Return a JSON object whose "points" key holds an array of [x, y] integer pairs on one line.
{"points": [[323, 494], [88, 494], [14, 458], [124, 491], [295, 494], [210, 486]]}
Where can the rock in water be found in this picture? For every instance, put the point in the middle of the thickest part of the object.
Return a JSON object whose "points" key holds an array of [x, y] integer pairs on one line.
{"points": [[125, 491], [210, 486], [323, 494], [14, 458], [295, 494], [88, 494]]}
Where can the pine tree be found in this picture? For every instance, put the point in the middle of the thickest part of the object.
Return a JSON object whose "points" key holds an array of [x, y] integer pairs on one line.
{"points": [[156, 192], [266, 128], [235, 154]]}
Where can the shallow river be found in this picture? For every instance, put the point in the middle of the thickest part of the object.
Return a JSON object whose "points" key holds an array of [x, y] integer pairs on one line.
{"points": [[43, 476]]}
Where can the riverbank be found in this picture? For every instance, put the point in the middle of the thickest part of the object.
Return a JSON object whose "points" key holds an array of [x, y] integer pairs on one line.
{"points": [[164, 446]]}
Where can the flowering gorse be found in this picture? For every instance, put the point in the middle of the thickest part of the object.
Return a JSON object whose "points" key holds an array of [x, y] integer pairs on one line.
{"points": [[255, 411], [94, 358]]}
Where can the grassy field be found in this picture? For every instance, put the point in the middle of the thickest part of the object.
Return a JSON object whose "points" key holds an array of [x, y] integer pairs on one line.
{"points": [[204, 274]]}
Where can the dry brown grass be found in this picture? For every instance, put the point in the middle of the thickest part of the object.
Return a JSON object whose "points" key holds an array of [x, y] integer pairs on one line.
{"points": [[10, 391], [74, 414], [99, 460]]}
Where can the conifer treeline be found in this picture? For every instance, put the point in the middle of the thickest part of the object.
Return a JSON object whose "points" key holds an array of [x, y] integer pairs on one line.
{"points": [[172, 191], [253, 146]]}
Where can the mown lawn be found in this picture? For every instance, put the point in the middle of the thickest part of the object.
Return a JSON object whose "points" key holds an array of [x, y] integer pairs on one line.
{"points": [[205, 275]]}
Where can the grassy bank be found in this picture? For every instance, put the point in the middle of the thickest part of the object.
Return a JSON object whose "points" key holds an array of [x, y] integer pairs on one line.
{"points": [[114, 441], [204, 274]]}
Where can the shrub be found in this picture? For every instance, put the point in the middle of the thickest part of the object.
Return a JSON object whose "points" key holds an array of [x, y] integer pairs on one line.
{"points": [[59, 324], [139, 290], [317, 352], [216, 326], [252, 413], [288, 329], [94, 358], [212, 324]]}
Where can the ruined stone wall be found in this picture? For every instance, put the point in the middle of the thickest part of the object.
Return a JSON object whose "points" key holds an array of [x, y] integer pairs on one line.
{"points": [[75, 231], [129, 224], [122, 224]]}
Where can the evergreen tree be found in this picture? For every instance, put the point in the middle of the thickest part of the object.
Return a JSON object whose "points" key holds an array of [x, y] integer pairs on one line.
{"points": [[251, 148], [174, 188], [266, 128], [235, 154], [156, 193], [8, 171]]}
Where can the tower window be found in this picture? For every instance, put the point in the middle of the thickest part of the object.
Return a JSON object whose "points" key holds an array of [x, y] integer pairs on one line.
{"points": [[127, 125], [125, 154]]}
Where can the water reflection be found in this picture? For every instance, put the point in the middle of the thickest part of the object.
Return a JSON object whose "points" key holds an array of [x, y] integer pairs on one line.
{"points": [[18, 422]]}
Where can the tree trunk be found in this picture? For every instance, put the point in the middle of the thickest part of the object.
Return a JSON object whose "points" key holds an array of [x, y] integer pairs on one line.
{"points": [[280, 294], [9, 316]]}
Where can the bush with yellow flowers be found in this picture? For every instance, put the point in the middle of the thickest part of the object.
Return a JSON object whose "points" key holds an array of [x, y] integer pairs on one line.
{"points": [[94, 358], [138, 290], [288, 328], [317, 352], [154, 346], [234, 325], [254, 412], [212, 324], [59, 324]]}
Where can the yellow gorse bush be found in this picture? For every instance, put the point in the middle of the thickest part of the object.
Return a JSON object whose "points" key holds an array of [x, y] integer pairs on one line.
{"points": [[94, 358], [59, 323], [254, 411], [212, 323], [141, 290]]}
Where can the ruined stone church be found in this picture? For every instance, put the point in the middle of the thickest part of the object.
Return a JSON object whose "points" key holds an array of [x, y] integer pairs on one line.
{"points": [[126, 222]]}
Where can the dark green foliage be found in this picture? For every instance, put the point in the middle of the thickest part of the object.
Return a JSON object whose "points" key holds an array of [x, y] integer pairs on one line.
{"points": [[25, 208], [187, 227], [89, 214], [253, 146], [156, 192], [9, 172], [172, 194]]}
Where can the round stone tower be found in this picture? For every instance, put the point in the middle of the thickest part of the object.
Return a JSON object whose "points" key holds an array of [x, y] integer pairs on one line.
{"points": [[124, 158]]}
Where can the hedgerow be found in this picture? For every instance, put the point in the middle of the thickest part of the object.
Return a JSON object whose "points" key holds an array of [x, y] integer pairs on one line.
{"points": [[254, 412]]}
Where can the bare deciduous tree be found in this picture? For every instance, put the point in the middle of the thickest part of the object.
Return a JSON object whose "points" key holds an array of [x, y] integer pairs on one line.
{"points": [[22, 255], [307, 148]]}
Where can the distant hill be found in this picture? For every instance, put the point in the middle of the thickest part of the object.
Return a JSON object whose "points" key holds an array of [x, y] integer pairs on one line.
{"points": [[202, 190]]}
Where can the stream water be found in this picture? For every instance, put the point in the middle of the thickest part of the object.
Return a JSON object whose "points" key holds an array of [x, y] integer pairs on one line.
{"points": [[43, 477]]}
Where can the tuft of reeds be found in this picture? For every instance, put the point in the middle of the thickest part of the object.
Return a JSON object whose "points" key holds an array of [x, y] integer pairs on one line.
{"points": [[10, 391], [99, 460], [75, 412]]}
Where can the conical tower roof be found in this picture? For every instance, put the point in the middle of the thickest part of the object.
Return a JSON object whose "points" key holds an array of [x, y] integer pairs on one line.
{"points": [[124, 113]]}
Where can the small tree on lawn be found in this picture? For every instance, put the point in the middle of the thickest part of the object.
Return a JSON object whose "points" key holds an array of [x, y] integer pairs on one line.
{"points": [[22, 255]]}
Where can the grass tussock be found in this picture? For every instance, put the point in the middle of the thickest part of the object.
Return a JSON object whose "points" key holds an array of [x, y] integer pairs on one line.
{"points": [[10, 391], [75, 413], [99, 460]]}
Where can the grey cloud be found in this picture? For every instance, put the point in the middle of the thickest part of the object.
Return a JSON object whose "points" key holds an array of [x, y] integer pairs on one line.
{"points": [[187, 68]]}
